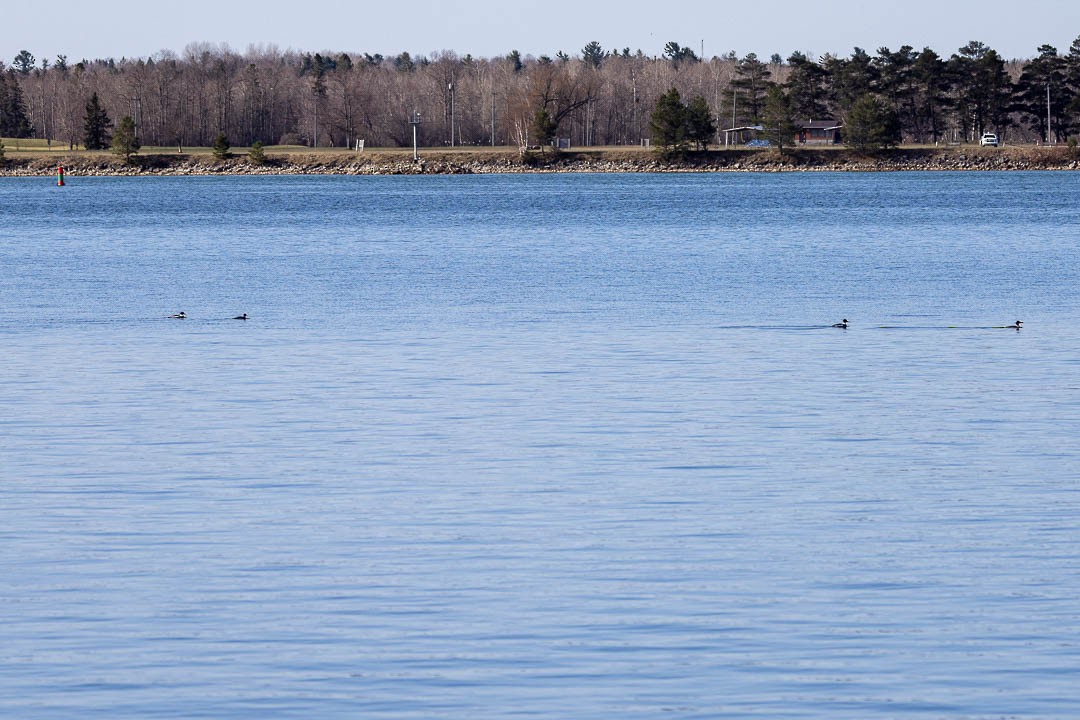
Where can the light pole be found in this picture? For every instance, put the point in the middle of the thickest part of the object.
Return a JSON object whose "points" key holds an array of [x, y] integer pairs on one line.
{"points": [[450, 87], [1049, 141], [138, 116], [415, 122], [734, 102]]}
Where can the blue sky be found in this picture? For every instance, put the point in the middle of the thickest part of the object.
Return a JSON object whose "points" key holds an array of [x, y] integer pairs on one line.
{"points": [[486, 28]]}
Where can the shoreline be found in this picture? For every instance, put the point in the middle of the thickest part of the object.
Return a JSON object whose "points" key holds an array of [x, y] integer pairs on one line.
{"points": [[504, 161]]}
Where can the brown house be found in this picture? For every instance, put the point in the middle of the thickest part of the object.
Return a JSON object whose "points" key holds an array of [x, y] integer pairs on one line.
{"points": [[818, 132]]}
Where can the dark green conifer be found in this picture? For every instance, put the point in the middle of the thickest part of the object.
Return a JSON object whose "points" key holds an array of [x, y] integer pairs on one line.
{"points": [[667, 124], [871, 125], [777, 118], [543, 128], [256, 154], [700, 127], [13, 119], [96, 125], [221, 147], [124, 140]]}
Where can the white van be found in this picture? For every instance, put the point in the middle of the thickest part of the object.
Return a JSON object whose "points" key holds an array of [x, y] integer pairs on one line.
{"points": [[988, 139]]}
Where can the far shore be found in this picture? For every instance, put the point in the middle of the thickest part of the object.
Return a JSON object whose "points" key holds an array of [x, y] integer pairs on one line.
{"points": [[473, 160]]}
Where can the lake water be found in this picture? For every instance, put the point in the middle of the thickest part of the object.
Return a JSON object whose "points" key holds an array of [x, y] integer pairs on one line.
{"points": [[560, 446]]}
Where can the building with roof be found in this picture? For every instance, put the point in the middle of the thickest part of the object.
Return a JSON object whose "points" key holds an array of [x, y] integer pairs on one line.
{"points": [[818, 132], [808, 132]]}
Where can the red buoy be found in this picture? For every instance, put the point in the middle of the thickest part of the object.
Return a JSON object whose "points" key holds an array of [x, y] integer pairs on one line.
{"points": [[60, 176]]}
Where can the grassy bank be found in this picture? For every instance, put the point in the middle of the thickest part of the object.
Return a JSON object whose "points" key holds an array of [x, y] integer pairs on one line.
{"points": [[40, 160]]}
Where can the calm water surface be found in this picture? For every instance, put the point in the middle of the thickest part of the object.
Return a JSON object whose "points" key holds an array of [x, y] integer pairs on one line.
{"points": [[546, 446]]}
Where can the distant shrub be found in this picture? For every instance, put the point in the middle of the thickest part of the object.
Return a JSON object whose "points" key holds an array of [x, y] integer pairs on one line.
{"points": [[221, 147], [530, 158], [125, 143], [290, 139], [256, 154]]}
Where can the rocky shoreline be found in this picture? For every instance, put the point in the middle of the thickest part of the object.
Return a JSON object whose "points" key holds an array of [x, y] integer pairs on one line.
{"points": [[474, 162]]}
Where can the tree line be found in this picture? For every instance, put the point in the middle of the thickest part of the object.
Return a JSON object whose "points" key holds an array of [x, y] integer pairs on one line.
{"points": [[597, 97]]}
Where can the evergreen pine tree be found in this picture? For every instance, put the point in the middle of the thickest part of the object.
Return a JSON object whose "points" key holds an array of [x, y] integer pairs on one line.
{"points": [[592, 55], [13, 119], [779, 126], [1049, 69], [700, 127], [96, 125], [515, 61], [678, 55], [256, 154], [667, 124], [24, 62], [806, 87], [871, 125], [932, 97], [751, 78], [543, 128], [221, 147], [983, 89], [124, 140]]}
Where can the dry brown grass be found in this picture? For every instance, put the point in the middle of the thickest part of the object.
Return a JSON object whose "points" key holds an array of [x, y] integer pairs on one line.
{"points": [[35, 157]]}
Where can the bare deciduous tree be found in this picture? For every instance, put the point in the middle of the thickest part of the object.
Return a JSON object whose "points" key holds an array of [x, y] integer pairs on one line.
{"points": [[600, 98]]}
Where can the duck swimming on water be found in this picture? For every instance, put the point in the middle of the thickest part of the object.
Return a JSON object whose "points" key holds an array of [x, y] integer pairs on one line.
{"points": [[241, 317], [1015, 326], [842, 324], [179, 316]]}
